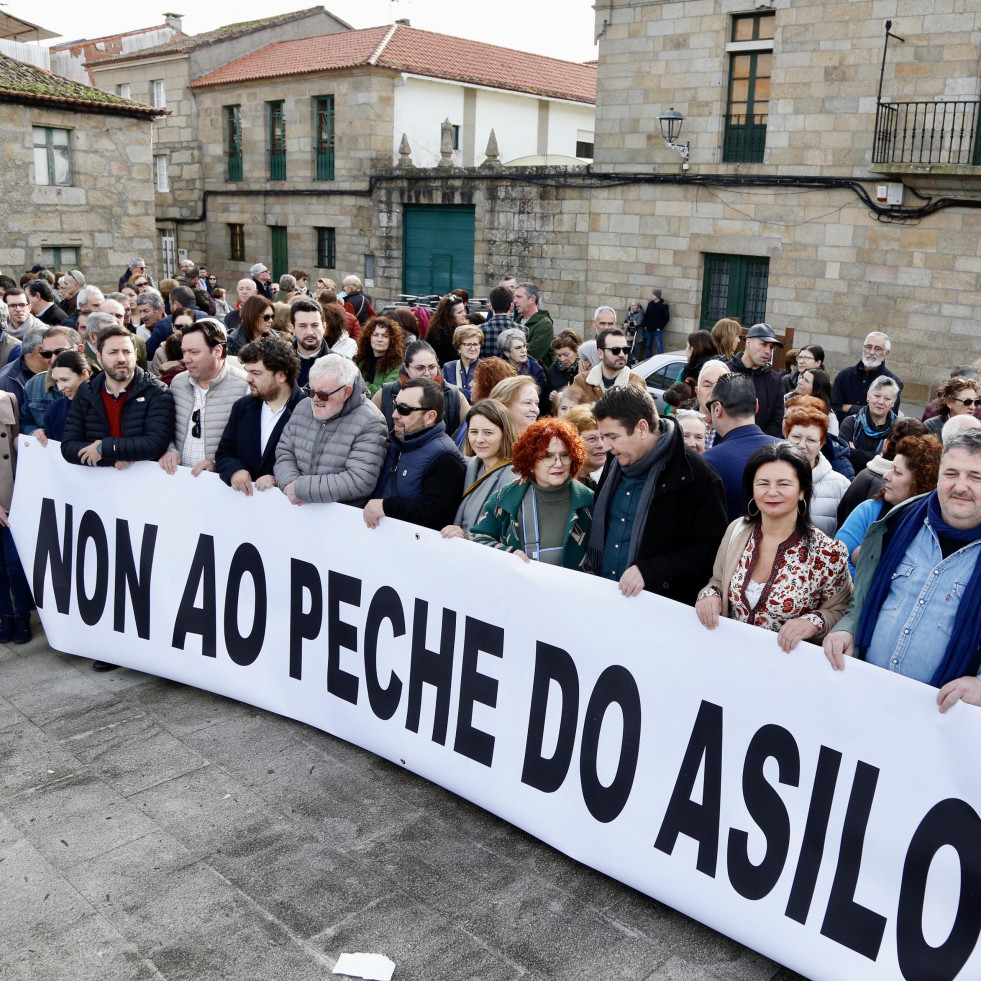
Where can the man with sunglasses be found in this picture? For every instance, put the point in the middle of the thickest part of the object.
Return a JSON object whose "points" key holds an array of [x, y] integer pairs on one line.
{"points": [[422, 480], [612, 371], [333, 447], [203, 397]]}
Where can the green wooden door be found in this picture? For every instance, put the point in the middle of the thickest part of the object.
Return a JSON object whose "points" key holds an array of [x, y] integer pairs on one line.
{"points": [[280, 258], [437, 249]]}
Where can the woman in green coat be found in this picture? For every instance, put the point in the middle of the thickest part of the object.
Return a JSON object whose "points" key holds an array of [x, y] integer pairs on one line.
{"points": [[546, 517], [381, 349]]}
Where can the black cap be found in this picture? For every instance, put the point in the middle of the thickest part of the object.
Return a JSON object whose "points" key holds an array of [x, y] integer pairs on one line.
{"points": [[765, 333]]}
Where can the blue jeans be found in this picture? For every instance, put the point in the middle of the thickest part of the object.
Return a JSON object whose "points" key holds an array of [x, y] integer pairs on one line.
{"points": [[15, 594], [651, 337]]}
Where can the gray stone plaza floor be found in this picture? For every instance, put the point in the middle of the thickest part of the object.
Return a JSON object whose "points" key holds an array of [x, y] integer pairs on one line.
{"points": [[149, 830]]}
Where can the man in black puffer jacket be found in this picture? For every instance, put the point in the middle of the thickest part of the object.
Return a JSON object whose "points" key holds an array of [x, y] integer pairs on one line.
{"points": [[122, 414], [755, 362]]}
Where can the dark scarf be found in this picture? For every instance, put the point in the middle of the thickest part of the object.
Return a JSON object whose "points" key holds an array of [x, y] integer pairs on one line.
{"points": [[649, 466], [962, 656]]}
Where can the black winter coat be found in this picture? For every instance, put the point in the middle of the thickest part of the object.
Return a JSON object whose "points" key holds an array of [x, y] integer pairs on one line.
{"points": [[147, 421], [685, 525]]}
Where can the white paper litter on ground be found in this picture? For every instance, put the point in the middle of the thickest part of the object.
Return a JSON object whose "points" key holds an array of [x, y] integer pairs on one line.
{"points": [[371, 967]]}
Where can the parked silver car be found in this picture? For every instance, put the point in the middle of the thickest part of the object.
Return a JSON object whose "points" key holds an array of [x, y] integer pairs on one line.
{"points": [[660, 373]]}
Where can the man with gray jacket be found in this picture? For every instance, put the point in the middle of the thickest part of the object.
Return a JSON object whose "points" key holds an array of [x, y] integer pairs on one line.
{"points": [[333, 447], [203, 397]]}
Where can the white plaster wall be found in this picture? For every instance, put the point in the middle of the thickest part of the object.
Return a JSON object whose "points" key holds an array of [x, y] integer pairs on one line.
{"points": [[420, 108], [565, 120]]}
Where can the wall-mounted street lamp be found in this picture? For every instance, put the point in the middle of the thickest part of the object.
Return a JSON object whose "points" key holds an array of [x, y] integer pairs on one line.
{"points": [[671, 122]]}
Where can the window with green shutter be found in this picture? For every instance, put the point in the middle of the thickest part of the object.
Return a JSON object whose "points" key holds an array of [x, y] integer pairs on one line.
{"points": [[326, 248], [277, 142], [734, 286], [233, 143], [747, 106], [324, 128]]}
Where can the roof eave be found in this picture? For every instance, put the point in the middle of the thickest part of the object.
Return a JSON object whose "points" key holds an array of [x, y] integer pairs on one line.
{"points": [[81, 105]]}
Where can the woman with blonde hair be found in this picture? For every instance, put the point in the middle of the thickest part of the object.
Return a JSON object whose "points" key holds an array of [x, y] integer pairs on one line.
{"points": [[356, 300], [520, 394], [489, 448], [726, 333], [581, 416]]}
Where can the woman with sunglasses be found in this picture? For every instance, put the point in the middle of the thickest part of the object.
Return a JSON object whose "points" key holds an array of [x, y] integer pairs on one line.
{"points": [[958, 397], [547, 516], [257, 316]]}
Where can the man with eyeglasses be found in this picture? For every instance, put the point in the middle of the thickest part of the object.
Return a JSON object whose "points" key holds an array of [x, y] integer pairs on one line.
{"points": [[850, 391], [15, 375], [612, 371], [422, 479], [203, 397], [731, 411], [21, 318], [41, 390], [333, 447]]}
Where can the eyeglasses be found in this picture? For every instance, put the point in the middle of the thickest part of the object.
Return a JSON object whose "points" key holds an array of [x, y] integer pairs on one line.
{"points": [[321, 396], [470, 344], [17, 306], [196, 424], [810, 441], [406, 410], [968, 403], [268, 317], [874, 348], [47, 355], [617, 350]]}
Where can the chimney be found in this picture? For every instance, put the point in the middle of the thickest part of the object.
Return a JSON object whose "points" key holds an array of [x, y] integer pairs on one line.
{"points": [[175, 22], [403, 21]]}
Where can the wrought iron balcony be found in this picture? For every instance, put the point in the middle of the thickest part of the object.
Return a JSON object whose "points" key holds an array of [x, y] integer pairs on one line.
{"points": [[927, 133]]}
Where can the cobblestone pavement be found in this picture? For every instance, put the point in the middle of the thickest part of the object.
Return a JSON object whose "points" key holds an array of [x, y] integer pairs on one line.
{"points": [[149, 830]]}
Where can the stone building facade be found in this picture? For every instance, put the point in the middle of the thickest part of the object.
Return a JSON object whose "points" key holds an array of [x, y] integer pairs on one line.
{"points": [[75, 166]]}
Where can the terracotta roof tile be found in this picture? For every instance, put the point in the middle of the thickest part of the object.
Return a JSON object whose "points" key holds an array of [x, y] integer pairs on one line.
{"points": [[20, 82], [416, 52]]}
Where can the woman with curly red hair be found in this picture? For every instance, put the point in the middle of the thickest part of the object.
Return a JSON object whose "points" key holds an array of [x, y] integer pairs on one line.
{"points": [[381, 349], [548, 515]]}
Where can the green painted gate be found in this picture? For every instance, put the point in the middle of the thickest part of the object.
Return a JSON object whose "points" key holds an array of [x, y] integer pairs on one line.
{"points": [[437, 248]]}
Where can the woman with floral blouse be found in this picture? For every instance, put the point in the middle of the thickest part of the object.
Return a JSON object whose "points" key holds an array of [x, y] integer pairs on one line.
{"points": [[774, 569]]}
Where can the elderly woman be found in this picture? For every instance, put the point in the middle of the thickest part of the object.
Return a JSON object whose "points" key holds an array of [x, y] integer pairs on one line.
{"points": [[958, 397], [548, 515], [420, 362], [467, 340], [450, 313], [866, 431], [513, 345], [356, 301], [563, 370], [567, 399], [915, 470], [521, 396], [694, 428], [380, 352], [774, 569], [806, 427], [257, 316], [581, 416], [489, 448]]}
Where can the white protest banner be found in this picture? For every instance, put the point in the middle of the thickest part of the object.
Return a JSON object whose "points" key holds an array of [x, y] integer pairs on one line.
{"points": [[829, 820]]}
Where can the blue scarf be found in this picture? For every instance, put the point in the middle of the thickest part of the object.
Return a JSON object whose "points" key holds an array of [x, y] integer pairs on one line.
{"points": [[962, 656]]}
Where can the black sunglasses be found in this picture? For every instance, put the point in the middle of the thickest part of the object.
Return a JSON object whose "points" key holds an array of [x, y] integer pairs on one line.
{"points": [[321, 396], [268, 316], [53, 354], [617, 350], [967, 403], [406, 410], [196, 424]]}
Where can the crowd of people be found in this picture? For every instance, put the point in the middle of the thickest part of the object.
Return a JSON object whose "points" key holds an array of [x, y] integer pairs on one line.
{"points": [[811, 509]]}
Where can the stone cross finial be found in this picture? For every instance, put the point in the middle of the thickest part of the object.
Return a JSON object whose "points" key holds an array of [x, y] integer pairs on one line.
{"points": [[446, 144]]}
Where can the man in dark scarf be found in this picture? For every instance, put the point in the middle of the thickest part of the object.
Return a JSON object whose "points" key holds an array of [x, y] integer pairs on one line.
{"points": [[918, 585]]}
